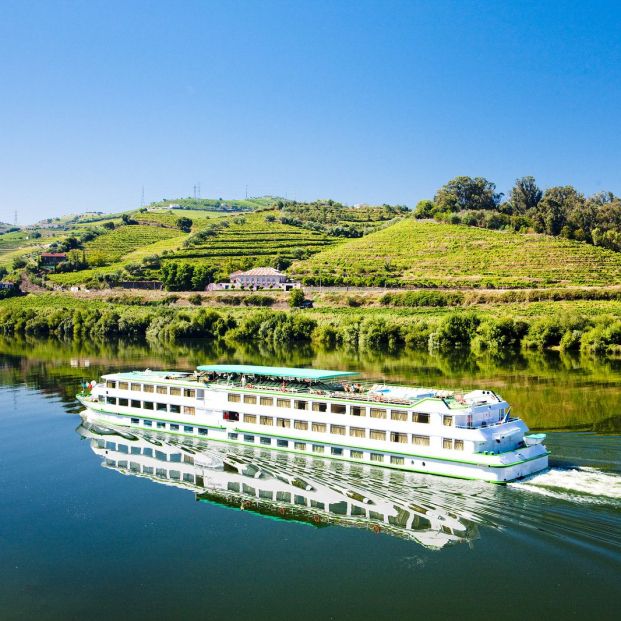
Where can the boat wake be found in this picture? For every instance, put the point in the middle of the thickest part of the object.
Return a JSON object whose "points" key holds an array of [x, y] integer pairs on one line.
{"points": [[583, 485]]}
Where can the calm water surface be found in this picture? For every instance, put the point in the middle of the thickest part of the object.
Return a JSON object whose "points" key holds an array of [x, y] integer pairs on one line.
{"points": [[97, 525]]}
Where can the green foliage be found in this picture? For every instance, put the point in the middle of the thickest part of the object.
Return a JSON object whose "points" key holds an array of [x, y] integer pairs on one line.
{"points": [[259, 300], [525, 196], [464, 193], [454, 332], [181, 276], [195, 299], [422, 298], [184, 224], [296, 298], [425, 209]]}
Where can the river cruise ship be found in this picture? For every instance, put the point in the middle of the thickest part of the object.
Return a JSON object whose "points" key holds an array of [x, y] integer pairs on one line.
{"points": [[328, 414]]}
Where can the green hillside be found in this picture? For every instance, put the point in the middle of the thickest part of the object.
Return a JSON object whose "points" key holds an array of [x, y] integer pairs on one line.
{"points": [[241, 242], [426, 254]]}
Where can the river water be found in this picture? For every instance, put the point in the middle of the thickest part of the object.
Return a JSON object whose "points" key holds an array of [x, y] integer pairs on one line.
{"points": [[96, 524]]}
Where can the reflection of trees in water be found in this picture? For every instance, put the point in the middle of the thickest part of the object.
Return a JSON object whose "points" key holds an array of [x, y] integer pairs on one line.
{"points": [[548, 389]]}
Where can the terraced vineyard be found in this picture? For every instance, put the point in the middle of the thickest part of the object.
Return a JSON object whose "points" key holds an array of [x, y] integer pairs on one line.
{"points": [[251, 240], [169, 217], [430, 254], [113, 246]]}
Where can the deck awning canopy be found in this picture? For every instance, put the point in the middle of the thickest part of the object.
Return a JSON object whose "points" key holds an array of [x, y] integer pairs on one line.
{"points": [[288, 372]]}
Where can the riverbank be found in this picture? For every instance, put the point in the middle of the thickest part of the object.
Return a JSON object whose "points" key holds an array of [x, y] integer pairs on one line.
{"points": [[494, 325]]}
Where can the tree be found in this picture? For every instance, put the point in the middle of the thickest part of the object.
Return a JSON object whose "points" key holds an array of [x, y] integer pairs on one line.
{"points": [[3, 272], [184, 224], [296, 298], [424, 209], [525, 196], [463, 193], [127, 219], [551, 214], [108, 225]]}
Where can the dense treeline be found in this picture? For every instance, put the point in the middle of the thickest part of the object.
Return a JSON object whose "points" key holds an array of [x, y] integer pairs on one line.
{"points": [[457, 330], [559, 210]]}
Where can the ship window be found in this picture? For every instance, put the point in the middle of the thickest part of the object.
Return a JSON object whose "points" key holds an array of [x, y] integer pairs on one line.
{"points": [[200, 394], [302, 425], [161, 425], [123, 386], [357, 432], [319, 427], [356, 454], [377, 413], [135, 421], [188, 478], [175, 474], [266, 440], [111, 446], [399, 461], [420, 440], [147, 469], [336, 451], [447, 421], [188, 459], [459, 445], [357, 410], [110, 384], [447, 443], [301, 405], [250, 418], [338, 408], [248, 438], [122, 448], [376, 434], [338, 430], [111, 400], [202, 431], [234, 397], [282, 443], [123, 402], [401, 438], [377, 457], [148, 423], [188, 409], [147, 451], [300, 446], [398, 415], [233, 436], [161, 407], [420, 418], [147, 388], [102, 399], [283, 496], [188, 429], [266, 401], [160, 472], [135, 404], [266, 420], [175, 409], [136, 387], [161, 390], [283, 422], [174, 427], [147, 405], [283, 403], [320, 407], [317, 448], [175, 391], [250, 398], [189, 392], [299, 500]]}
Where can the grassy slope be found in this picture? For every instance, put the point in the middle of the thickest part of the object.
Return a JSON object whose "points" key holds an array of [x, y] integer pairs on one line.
{"points": [[431, 254], [251, 240]]}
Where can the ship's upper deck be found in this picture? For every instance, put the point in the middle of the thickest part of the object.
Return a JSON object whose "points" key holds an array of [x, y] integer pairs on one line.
{"points": [[341, 385]]}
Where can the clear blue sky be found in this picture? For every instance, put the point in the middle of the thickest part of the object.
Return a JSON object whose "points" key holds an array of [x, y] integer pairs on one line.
{"points": [[357, 101]]}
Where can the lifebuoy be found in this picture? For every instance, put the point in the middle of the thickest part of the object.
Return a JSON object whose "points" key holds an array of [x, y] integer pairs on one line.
{"points": [[281, 510], [376, 529], [316, 519]]}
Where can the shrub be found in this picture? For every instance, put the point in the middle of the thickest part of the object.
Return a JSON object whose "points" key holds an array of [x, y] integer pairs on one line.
{"points": [[259, 300], [296, 298], [195, 299]]}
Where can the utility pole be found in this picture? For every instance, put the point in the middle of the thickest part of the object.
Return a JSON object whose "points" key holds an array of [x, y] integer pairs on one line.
{"points": [[15, 219], [142, 198], [246, 191], [199, 189]]}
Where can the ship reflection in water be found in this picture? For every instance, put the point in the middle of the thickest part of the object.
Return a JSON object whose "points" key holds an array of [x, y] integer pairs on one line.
{"points": [[288, 487]]}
